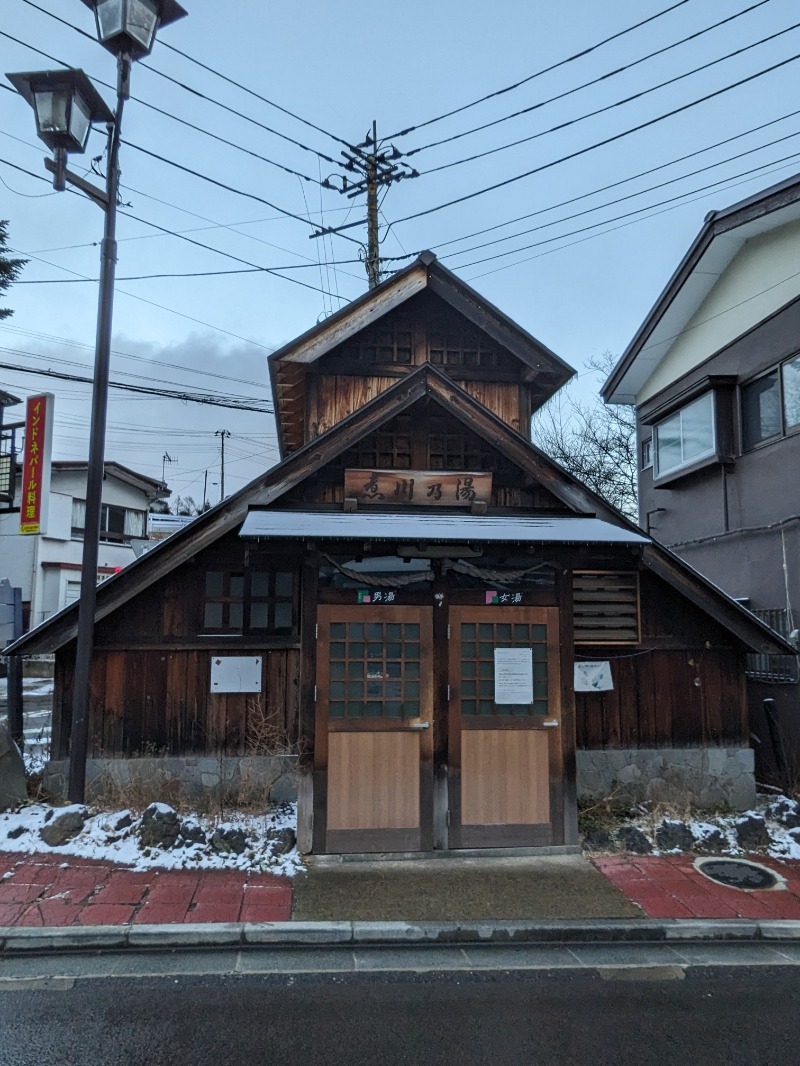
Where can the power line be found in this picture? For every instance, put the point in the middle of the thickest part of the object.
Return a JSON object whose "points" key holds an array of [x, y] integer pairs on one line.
{"points": [[258, 96], [185, 274], [618, 218], [67, 342], [606, 108], [589, 148], [193, 91], [587, 84], [223, 185], [179, 236], [630, 196], [125, 373], [612, 229], [175, 118], [187, 397], [227, 255], [614, 184], [184, 122], [538, 73]]}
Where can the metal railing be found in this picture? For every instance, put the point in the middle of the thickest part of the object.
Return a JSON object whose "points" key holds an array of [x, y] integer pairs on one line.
{"points": [[777, 669]]}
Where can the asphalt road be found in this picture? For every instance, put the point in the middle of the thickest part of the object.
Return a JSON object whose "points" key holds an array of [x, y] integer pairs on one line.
{"points": [[736, 1017]]}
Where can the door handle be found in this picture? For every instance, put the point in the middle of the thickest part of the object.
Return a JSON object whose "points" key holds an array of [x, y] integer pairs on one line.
{"points": [[551, 723], [419, 726]]}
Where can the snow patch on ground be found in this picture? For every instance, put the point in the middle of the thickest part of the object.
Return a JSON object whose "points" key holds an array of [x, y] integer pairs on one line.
{"points": [[100, 840], [783, 843]]}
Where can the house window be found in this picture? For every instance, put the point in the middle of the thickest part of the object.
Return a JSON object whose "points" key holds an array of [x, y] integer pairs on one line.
{"points": [[771, 404], [224, 602], [250, 601], [685, 437], [118, 525], [647, 453]]}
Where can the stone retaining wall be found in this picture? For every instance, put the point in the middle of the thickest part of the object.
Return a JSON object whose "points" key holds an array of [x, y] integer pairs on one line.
{"points": [[702, 777], [202, 781]]}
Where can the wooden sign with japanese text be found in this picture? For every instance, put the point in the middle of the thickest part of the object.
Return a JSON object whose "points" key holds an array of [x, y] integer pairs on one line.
{"points": [[418, 488], [35, 493]]}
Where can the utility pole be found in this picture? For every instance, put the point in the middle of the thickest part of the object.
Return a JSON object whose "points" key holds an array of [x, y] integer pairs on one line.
{"points": [[373, 244], [222, 434], [377, 166]]}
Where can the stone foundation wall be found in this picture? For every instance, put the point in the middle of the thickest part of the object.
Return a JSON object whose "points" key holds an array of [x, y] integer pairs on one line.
{"points": [[702, 777], [200, 782]]}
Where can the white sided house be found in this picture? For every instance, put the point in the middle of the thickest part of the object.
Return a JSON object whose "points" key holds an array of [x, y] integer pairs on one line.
{"points": [[47, 566]]}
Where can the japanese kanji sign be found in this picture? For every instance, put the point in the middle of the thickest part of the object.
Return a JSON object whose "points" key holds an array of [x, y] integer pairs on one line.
{"points": [[35, 491], [418, 488]]}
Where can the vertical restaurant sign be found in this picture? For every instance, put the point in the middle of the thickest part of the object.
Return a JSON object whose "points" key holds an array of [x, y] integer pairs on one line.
{"points": [[35, 493]]}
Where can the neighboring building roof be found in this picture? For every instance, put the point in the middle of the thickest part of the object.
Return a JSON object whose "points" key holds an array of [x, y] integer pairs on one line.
{"points": [[426, 382], [7, 400], [717, 244], [435, 527], [155, 489], [287, 365]]}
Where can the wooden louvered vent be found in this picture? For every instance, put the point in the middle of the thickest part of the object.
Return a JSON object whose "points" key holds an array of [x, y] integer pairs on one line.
{"points": [[606, 607]]}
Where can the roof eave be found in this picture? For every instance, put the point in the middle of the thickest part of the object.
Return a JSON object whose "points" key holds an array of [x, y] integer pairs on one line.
{"points": [[716, 224]]}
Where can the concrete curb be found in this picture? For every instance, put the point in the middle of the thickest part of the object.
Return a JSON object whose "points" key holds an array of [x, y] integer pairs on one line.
{"points": [[29, 941]]}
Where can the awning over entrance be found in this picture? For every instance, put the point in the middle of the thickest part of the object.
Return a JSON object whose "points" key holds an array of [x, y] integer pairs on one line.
{"points": [[434, 527]]}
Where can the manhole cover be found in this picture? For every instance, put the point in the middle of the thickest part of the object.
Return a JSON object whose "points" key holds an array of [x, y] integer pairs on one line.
{"points": [[733, 873]]}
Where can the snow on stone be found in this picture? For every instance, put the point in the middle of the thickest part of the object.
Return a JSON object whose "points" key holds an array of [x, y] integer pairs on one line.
{"points": [[98, 840]]}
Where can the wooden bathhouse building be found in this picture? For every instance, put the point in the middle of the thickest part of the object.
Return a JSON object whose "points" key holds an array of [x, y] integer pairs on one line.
{"points": [[454, 637]]}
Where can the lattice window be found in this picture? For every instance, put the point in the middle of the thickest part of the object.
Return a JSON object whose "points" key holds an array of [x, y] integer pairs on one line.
{"points": [[374, 670], [463, 348], [478, 642], [389, 449], [451, 447], [387, 344], [606, 607], [262, 601], [223, 609]]}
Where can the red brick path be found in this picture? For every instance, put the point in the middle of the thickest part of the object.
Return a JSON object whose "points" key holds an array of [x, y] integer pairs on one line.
{"points": [[670, 887], [39, 892]]}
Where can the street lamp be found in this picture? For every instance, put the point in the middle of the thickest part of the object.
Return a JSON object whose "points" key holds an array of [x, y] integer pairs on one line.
{"points": [[130, 25], [66, 104]]}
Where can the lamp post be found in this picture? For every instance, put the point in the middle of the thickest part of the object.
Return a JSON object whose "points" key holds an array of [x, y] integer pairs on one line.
{"points": [[66, 104]]}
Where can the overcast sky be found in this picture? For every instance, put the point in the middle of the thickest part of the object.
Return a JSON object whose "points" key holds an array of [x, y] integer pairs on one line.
{"points": [[604, 228]]}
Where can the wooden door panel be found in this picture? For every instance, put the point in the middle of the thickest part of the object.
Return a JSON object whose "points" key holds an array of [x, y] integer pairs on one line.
{"points": [[374, 755], [373, 781], [505, 778], [505, 760]]}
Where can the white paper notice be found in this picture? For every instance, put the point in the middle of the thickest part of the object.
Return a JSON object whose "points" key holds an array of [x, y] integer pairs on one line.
{"points": [[593, 677], [513, 675]]}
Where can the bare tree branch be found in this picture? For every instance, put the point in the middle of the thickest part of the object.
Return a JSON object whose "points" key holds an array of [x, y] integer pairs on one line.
{"points": [[594, 441]]}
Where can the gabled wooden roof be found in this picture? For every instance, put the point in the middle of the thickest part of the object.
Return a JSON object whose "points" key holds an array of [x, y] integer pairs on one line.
{"points": [[288, 365], [425, 382]]}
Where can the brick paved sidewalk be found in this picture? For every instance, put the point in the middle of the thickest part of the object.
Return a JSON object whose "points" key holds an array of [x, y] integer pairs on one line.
{"points": [[42, 890], [669, 886]]}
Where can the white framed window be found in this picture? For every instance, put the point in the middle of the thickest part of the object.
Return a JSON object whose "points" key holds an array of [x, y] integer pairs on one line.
{"points": [[647, 453], [685, 437]]}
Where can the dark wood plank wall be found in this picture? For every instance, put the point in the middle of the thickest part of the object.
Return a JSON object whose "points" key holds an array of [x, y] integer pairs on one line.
{"points": [[683, 685], [158, 702], [151, 676]]}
